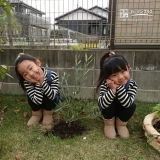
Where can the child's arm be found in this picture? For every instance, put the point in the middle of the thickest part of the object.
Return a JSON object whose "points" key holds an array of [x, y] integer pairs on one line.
{"points": [[34, 92], [112, 85], [51, 90], [127, 97], [106, 96]]}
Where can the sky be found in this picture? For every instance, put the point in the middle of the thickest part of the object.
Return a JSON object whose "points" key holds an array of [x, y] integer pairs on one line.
{"points": [[55, 8]]}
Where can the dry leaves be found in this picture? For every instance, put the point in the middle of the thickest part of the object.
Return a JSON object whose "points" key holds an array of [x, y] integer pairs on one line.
{"points": [[25, 114], [17, 110], [18, 157]]}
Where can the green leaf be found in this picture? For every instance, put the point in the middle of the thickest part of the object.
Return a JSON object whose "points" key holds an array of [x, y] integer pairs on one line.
{"points": [[3, 71], [2, 75], [3, 66], [59, 109], [156, 108]]}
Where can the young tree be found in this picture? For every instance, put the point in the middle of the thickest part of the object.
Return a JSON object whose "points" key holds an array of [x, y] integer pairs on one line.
{"points": [[4, 24], [8, 15], [7, 8]]}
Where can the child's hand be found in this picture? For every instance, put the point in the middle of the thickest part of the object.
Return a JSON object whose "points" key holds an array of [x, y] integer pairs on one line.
{"points": [[41, 76], [112, 85], [40, 79]]}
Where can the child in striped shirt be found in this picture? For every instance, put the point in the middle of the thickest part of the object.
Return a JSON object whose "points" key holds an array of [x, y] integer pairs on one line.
{"points": [[117, 94], [42, 94]]}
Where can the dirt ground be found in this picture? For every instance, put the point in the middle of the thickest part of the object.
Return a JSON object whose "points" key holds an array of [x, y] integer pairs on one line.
{"points": [[65, 130]]}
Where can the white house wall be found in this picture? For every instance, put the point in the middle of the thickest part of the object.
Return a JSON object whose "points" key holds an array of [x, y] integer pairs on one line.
{"points": [[100, 12], [80, 15]]}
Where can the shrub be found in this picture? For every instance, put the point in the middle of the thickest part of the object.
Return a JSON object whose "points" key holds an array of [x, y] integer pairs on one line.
{"points": [[76, 108]]}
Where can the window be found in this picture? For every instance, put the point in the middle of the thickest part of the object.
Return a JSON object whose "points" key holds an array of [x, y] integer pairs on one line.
{"points": [[34, 31], [44, 32], [74, 27], [93, 29]]}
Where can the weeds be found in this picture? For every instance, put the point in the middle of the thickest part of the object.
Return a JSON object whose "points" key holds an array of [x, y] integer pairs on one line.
{"points": [[157, 108], [77, 47]]}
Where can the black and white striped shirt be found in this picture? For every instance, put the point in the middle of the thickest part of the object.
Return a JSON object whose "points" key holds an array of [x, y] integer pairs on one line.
{"points": [[125, 97], [36, 92]]}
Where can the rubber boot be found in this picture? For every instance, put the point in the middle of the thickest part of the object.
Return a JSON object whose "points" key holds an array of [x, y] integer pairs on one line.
{"points": [[36, 117], [47, 117], [109, 128], [122, 129]]}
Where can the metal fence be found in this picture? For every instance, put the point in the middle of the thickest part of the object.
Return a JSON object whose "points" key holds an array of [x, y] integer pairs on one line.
{"points": [[86, 23], [57, 23], [135, 24]]}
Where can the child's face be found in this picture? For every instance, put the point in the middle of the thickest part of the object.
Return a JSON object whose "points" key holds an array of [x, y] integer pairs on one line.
{"points": [[120, 78], [30, 71]]}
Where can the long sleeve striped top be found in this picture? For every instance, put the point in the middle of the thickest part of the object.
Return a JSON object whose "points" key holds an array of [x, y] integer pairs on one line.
{"points": [[125, 97], [36, 92]]}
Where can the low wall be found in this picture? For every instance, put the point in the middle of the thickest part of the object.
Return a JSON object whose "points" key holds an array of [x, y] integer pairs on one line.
{"points": [[145, 70]]}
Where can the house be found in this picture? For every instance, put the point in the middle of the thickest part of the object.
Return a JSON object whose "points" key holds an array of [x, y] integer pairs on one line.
{"points": [[100, 11], [35, 28], [93, 21]]}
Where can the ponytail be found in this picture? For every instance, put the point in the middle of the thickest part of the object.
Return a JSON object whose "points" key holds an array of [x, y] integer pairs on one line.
{"points": [[101, 76]]}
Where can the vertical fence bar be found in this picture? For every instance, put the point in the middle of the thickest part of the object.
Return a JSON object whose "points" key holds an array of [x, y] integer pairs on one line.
{"points": [[113, 21]]}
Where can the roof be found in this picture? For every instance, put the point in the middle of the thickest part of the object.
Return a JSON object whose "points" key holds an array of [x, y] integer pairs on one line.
{"points": [[104, 9], [80, 8], [20, 3]]}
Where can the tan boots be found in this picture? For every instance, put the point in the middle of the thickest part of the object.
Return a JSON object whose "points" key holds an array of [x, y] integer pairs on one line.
{"points": [[121, 128], [47, 117], [36, 117], [109, 128]]}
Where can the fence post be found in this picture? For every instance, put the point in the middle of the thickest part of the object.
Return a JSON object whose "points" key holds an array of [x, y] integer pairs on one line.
{"points": [[112, 19]]}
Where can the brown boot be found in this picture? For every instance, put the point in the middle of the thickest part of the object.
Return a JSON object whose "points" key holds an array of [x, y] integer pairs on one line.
{"points": [[47, 117], [121, 128], [36, 117], [109, 128]]}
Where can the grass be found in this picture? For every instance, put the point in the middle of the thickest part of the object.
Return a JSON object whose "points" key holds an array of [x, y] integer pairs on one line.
{"points": [[29, 143]]}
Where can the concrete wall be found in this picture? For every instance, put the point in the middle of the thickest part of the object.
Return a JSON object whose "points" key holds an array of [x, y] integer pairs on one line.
{"points": [[145, 70]]}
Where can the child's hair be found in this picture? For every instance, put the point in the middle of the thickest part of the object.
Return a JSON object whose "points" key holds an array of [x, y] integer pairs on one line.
{"points": [[21, 57], [110, 63]]}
